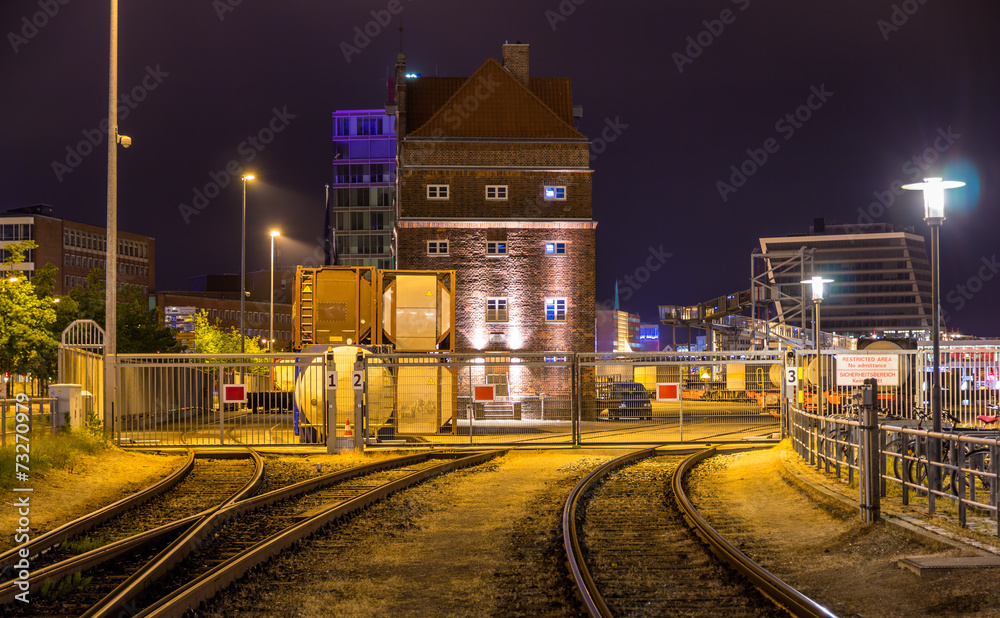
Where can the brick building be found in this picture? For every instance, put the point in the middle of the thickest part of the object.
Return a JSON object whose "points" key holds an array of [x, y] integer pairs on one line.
{"points": [[494, 182], [77, 248]]}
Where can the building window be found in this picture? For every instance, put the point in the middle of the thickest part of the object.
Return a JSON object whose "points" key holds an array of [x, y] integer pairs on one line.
{"points": [[555, 193], [555, 248], [555, 309], [496, 309], [437, 247], [496, 192], [437, 192], [496, 248]]}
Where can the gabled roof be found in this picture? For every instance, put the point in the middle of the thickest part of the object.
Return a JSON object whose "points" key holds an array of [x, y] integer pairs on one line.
{"points": [[492, 103]]}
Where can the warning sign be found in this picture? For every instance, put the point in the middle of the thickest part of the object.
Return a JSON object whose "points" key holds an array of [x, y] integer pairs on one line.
{"points": [[234, 393], [483, 393], [668, 391], [854, 369]]}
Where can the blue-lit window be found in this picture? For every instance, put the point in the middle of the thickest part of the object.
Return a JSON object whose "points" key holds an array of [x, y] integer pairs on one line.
{"points": [[496, 248], [437, 192], [555, 309], [555, 193], [555, 359], [555, 248]]}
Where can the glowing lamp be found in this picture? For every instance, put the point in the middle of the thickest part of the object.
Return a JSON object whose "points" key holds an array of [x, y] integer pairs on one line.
{"points": [[934, 189], [818, 287]]}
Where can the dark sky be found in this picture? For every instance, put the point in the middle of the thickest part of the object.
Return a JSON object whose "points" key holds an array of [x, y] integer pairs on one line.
{"points": [[896, 75]]}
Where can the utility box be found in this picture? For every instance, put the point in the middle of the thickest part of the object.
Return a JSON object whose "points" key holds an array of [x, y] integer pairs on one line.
{"points": [[68, 405]]}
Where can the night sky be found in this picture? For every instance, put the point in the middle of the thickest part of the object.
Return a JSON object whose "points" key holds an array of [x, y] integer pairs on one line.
{"points": [[887, 80]]}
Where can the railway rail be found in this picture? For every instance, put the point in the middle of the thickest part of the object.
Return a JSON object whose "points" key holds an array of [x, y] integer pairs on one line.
{"points": [[637, 553], [159, 512], [179, 565]]}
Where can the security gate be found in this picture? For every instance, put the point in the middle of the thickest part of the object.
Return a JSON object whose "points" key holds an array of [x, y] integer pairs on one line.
{"points": [[650, 398], [181, 399]]}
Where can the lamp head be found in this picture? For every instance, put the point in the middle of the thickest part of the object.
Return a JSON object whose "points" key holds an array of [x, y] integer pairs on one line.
{"points": [[275, 233], [818, 287], [934, 189], [247, 177]]}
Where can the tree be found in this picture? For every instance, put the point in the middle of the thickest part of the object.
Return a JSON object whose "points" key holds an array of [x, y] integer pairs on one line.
{"points": [[139, 329], [27, 345], [212, 339]]}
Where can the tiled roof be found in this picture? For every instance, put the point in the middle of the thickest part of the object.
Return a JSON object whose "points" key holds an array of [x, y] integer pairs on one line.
{"points": [[491, 103], [426, 95]]}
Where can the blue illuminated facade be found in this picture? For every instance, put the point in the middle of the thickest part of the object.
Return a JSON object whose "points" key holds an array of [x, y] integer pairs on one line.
{"points": [[363, 186]]}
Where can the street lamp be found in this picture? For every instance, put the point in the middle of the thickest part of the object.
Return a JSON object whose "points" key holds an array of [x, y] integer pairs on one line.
{"points": [[818, 288], [934, 189], [270, 345], [243, 268]]}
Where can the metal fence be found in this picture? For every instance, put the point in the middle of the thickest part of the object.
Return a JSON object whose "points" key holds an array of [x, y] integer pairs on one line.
{"points": [[830, 385], [650, 398], [528, 398], [170, 399], [23, 414], [78, 366], [968, 471], [470, 399]]}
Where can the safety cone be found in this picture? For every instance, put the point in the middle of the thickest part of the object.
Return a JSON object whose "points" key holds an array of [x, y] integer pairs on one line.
{"points": [[347, 429]]}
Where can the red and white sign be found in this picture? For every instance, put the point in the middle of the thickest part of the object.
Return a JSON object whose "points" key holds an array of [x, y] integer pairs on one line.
{"points": [[481, 393], [234, 393], [854, 369], [668, 392]]}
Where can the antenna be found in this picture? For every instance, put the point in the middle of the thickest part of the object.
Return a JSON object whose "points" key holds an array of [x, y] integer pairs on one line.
{"points": [[400, 35]]}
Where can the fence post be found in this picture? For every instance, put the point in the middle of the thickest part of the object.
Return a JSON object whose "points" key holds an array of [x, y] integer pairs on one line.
{"points": [[358, 383], [331, 403], [869, 475]]}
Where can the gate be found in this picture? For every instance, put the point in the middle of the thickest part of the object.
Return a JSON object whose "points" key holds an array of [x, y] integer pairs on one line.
{"points": [[652, 398], [466, 399], [177, 399], [80, 363]]}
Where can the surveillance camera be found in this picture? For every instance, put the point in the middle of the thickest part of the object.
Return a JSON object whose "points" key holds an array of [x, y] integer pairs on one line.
{"points": [[125, 140]]}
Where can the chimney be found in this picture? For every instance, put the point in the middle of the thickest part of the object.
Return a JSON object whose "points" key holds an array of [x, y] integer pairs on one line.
{"points": [[515, 60]]}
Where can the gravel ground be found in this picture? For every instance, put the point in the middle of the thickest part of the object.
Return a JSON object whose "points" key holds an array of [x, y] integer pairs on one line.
{"points": [[485, 541], [819, 546]]}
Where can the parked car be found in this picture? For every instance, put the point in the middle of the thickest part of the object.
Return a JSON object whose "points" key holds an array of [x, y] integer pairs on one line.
{"points": [[624, 400]]}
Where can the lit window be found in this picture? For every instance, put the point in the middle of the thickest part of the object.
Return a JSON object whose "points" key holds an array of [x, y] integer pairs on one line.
{"points": [[496, 309], [437, 247], [496, 192], [555, 193], [555, 248], [496, 248], [555, 309], [437, 192]]}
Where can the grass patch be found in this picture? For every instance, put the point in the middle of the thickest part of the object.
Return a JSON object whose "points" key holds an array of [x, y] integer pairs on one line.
{"points": [[65, 586], [82, 545], [61, 451]]}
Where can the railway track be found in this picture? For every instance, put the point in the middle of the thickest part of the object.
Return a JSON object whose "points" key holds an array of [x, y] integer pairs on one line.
{"points": [[634, 544], [190, 559], [123, 534]]}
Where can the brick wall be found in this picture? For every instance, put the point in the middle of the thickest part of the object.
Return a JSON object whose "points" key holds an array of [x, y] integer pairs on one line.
{"points": [[488, 154], [467, 195], [526, 276]]}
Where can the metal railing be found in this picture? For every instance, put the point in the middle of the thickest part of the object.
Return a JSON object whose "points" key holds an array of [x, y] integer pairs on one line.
{"points": [[37, 412], [969, 469]]}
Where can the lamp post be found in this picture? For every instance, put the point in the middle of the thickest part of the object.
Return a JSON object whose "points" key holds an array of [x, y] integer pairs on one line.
{"points": [[818, 289], [270, 345], [243, 268], [934, 189]]}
